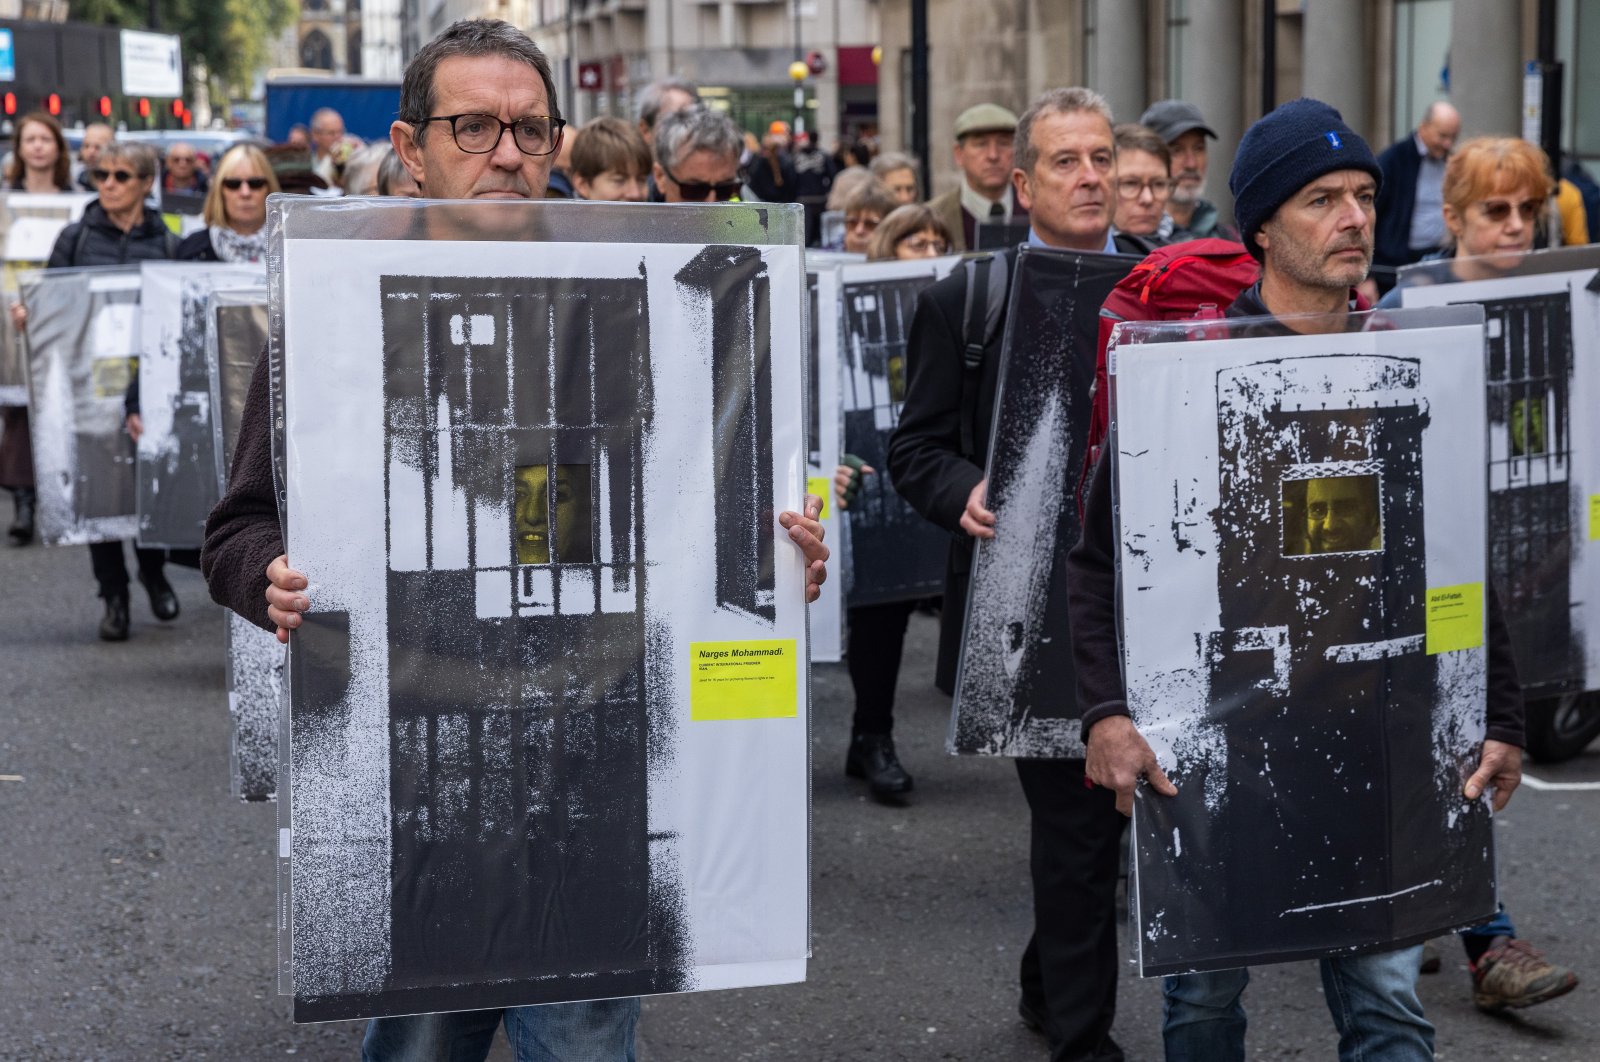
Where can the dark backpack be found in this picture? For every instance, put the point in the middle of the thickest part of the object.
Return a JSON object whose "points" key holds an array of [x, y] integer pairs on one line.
{"points": [[988, 285], [1183, 281]]}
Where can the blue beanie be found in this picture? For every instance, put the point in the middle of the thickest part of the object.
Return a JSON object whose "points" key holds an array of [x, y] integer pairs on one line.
{"points": [[1284, 152]]}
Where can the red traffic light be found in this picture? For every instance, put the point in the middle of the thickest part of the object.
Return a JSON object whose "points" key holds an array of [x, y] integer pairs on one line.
{"points": [[144, 108], [52, 103], [177, 108], [188, 117], [11, 103], [105, 106]]}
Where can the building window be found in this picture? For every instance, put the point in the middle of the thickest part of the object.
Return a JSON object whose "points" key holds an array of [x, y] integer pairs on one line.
{"points": [[316, 51], [1421, 59]]}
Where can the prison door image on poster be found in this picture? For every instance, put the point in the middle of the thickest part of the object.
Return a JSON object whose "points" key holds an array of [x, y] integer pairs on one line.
{"points": [[896, 555], [1530, 368], [516, 411]]}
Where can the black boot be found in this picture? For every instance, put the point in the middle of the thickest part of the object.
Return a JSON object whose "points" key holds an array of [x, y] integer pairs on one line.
{"points": [[163, 599], [21, 530], [872, 757], [114, 625]]}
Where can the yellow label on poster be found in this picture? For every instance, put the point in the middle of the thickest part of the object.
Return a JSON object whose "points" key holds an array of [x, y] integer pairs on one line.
{"points": [[1455, 618], [743, 680], [1594, 518], [822, 487]]}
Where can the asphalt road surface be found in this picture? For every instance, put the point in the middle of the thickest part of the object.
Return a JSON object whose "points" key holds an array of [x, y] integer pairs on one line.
{"points": [[136, 897]]}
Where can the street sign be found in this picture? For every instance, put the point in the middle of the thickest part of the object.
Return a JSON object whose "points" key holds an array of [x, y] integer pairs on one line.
{"points": [[591, 76], [8, 56], [152, 64]]}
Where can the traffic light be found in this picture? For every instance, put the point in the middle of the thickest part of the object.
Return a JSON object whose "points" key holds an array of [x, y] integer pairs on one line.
{"points": [[177, 108], [11, 103], [105, 106], [144, 107], [52, 103]]}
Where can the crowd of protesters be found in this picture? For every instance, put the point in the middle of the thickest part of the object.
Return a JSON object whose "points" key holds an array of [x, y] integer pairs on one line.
{"points": [[1132, 187]]}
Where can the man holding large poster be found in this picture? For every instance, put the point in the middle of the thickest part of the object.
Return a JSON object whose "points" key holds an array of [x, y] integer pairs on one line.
{"points": [[1304, 185], [476, 76]]}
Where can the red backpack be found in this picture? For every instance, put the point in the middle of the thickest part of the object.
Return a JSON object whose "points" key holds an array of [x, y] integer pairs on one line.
{"points": [[1195, 279]]}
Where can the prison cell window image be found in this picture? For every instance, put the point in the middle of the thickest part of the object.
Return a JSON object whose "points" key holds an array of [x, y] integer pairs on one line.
{"points": [[570, 504], [1331, 514]]}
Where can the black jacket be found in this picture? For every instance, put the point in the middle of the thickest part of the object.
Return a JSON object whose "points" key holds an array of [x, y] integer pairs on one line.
{"points": [[1092, 590], [1397, 197], [95, 241], [196, 247]]}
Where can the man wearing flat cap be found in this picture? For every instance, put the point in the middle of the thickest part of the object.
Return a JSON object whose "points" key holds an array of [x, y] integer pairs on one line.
{"points": [[983, 155], [1184, 129]]}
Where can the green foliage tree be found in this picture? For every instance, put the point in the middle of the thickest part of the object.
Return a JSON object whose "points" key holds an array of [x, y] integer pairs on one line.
{"points": [[231, 37]]}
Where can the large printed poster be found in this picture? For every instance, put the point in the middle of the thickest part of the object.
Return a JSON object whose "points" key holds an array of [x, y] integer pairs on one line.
{"points": [[83, 343], [1543, 402], [1303, 602], [895, 555], [1013, 688], [176, 451], [823, 436], [549, 714], [235, 340], [29, 225]]}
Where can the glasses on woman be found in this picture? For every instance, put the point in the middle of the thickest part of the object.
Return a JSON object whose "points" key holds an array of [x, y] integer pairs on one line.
{"points": [[233, 184], [114, 176], [925, 245], [1131, 187], [479, 134], [862, 221], [1497, 210]]}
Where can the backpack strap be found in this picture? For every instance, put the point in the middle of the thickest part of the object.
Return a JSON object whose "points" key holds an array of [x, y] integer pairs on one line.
{"points": [[988, 280]]}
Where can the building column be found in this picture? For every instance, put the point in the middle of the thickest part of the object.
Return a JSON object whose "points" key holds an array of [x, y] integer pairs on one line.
{"points": [[1337, 66], [1486, 67], [1215, 53], [1119, 51]]}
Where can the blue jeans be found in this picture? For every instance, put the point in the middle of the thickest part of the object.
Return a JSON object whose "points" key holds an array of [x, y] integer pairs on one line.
{"points": [[598, 1031], [1373, 999]]}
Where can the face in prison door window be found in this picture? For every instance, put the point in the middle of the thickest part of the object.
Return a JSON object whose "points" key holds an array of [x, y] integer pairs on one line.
{"points": [[1331, 514], [572, 543], [1527, 426]]}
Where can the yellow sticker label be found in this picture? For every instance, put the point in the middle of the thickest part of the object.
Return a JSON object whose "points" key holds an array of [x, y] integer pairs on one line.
{"points": [[1594, 518], [743, 680], [1455, 618], [822, 487]]}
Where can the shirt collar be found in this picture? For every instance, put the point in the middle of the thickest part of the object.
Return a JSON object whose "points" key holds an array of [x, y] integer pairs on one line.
{"points": [[978, 205], [1109, 248]]}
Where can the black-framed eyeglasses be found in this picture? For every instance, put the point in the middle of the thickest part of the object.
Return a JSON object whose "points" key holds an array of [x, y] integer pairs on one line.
{"points": [[479, 134], [699, 191], [1133, 187], [115, 176], [233, 184]]}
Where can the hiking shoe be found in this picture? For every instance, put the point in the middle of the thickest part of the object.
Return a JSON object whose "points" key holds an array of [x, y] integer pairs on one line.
{"points": [[1512, 973], [1429, 963]]}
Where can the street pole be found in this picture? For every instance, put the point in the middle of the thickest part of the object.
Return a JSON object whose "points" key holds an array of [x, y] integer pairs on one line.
{"points": [[919, 91], [1269, 55], [1550, 96]]}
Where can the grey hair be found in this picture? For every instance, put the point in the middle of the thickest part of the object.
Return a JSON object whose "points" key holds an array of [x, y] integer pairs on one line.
{"points": [[890, 161], [361, 168], [692, 129], [652, 95], [1073, 100], [142, 157], [472, 38], [323, 111], [390, 171]]}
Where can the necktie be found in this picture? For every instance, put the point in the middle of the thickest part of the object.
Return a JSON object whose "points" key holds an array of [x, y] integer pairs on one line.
{"points": [[997, 210]]}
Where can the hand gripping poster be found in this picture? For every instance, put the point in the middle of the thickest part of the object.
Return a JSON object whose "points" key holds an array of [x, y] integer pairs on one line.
{"points": [[895, 555], [1542, 322], [549, 712], [1016, 652], [1303, 609], [82, 345], [235, 339], [176, 458]]}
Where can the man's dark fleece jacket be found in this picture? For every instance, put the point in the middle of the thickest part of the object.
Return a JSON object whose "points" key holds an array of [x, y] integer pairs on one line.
{"points": [[242, 533], [1092, 605]]}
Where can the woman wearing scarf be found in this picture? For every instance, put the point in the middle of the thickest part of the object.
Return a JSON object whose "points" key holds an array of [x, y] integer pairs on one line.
{"points": [[235, 210]]}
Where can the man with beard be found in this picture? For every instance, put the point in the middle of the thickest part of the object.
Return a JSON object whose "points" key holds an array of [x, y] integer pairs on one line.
{"points": [[1181, 125], [1305, 187]]}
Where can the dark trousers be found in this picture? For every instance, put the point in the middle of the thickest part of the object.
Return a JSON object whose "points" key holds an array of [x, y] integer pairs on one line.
{"points": [[111, 570], [877, 640], [1069, 970]]}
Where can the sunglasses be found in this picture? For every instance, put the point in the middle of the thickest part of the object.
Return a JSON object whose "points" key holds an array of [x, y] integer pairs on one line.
{"points": [[233, 184], [115, 176], [698, 191], [1497, 210]]}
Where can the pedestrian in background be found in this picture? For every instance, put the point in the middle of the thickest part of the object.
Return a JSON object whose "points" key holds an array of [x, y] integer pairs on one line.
{"points": [[610, 161], [1144, 185], [864, 211], [697, 154], [1182, 126], [909, 232], [361, 169], [235, 211], [983, 153], [899, 173], [182, 172], [1410, 199], [394, 179]]}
